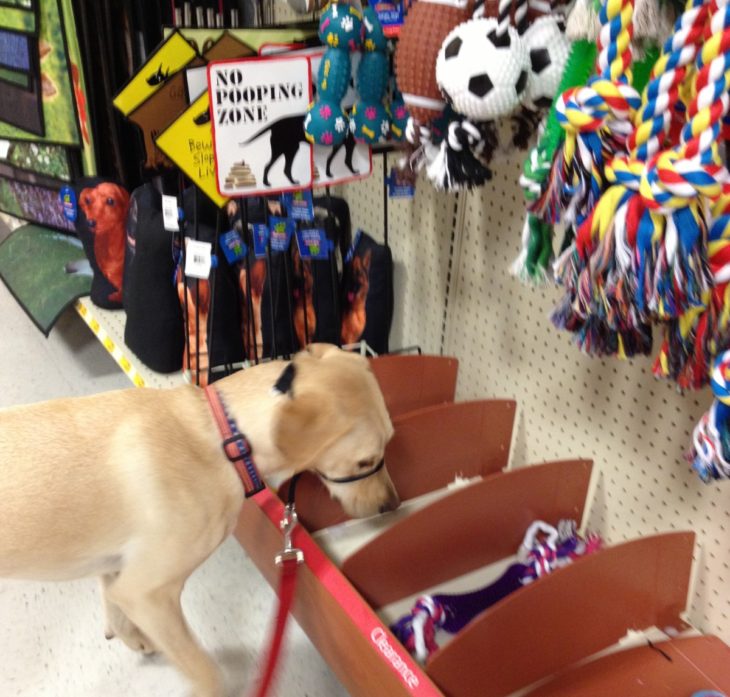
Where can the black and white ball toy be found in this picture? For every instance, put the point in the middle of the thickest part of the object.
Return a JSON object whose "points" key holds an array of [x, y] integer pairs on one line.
{"points": [[483, 73], [548, 48]]}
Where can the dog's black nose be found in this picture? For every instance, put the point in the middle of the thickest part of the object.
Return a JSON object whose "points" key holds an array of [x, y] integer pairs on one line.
{"points": [[391, 504]]}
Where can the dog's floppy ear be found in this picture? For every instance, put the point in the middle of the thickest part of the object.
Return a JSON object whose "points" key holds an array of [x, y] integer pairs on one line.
{"points": [[305, 426]]}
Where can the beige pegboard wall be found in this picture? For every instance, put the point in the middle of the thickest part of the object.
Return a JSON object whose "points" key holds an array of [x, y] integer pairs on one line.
{"points": [[635, 428]]}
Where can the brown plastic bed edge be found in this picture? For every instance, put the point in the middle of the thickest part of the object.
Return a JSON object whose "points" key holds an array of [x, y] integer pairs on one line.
{"points": [[668, 669], [429, 448], [414, 382], [466, 530], [567, 616]]}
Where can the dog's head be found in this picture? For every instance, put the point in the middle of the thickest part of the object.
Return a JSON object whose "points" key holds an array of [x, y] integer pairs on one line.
{"points": [[105, 206], [360, 278], [334, 422]]}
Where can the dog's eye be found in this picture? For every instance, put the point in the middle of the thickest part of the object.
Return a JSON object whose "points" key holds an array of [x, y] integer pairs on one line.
{"points": [[88, 200], [364, 464], [110, 201]]}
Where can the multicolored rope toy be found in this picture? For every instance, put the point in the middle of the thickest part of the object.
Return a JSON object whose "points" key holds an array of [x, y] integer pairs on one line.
{"points": [[710, 453], [605, 304], [641, 254], [597, 121], [543, 550], [534, 263]]}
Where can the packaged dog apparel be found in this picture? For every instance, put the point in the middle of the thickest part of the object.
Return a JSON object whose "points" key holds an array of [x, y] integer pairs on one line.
{"points": [[264, 273], [316, 290], [154, 329], [100, 225], [367, 311], [211, 307]]}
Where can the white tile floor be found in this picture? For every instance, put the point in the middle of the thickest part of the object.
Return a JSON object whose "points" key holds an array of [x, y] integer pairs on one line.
{"points": [[51, 635]]}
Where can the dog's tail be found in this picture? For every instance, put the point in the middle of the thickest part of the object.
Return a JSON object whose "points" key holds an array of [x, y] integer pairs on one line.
{"points": [[259, 134]]}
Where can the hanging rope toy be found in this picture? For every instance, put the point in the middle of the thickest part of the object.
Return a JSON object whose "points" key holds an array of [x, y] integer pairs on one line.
{"points": [[711, 437], [536, 253]]}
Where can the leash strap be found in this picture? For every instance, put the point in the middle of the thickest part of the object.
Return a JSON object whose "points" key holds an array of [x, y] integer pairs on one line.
{"points": [[287, 586], [235, 445], [238, 451], [288, 560]]}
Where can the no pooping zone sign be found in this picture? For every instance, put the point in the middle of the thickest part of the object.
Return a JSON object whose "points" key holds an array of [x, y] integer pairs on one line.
{"points": [[257, 109]]}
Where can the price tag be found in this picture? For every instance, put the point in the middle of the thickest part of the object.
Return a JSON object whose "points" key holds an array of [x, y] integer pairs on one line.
{"points": [[299, 205], [198, 259], [281, 231], [313, 244], [67, 197], [398, 187], [233, 246], [4, 149], [170, 213]]}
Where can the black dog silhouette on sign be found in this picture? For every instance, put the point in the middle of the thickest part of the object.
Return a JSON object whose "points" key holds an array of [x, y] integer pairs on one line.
{"points": [[287, 135], [349, 146]]}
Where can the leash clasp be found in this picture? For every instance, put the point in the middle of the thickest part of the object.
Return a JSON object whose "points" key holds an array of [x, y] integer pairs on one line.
{"points": [[287, 525]]}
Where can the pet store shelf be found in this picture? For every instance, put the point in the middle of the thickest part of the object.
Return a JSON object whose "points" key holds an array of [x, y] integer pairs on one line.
{"points": [[108, 327]]}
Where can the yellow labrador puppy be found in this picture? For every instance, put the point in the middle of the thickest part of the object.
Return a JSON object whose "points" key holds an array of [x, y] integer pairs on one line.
{"points": [[133, 486]]}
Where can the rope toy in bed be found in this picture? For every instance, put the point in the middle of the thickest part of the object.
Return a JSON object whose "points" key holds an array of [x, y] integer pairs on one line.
{"points": [[452, 612]]}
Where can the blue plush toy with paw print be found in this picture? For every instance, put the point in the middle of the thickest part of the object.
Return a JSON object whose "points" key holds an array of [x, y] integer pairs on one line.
{"points": [[370, 121], [340, 29]]}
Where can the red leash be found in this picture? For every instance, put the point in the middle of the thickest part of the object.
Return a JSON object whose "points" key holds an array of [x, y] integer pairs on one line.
{"points": [[238, 451], [288, 561]]}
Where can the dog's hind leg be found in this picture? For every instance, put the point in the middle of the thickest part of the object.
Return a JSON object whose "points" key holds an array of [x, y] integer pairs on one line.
{"points": [[152, 603], [331, 158], [119, 625], [350, 144], [289, 163]]}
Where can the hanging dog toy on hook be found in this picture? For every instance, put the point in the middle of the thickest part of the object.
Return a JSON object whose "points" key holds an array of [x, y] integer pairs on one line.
{"points": [[427, 24], [340, 30], [370, 121]]}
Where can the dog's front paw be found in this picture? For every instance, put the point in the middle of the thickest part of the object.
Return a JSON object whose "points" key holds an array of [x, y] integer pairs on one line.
{"points": [[132, 637]]}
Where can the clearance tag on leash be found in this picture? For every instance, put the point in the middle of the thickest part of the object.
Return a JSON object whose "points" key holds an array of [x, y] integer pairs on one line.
{"points": [[281, 231], [313, 244], [198, 259]]}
